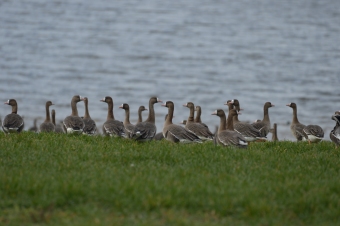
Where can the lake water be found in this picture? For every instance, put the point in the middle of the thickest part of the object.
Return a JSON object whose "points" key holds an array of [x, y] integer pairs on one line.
{"points": [[202, 51]]}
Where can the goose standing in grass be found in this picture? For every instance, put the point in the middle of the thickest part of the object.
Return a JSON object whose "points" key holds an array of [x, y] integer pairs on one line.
{"points": [[296, 127], [313, 133], [199, 129], [111, 126], [145, 131], [13, 123], [176, 133], [90, 127], [226, 135], [47, 126], [34, 128], [127, 124], [198, 119], [140, 110], [159, 136], [264, 125], [73, 123], [335, 133], [58, 127]]}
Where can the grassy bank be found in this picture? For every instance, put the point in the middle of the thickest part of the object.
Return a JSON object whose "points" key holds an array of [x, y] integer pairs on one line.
{"points": [[78, 180]]}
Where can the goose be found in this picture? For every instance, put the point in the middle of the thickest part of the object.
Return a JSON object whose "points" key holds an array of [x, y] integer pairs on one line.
{"points": [[58, 128], [90, 125], [236, 104], [248, 131], [159, 136], [198, 110], [111, 126], [127, 125], [335, 133], [200, 130], [264, 125], [140, 110], [73, 124], [176, 133], [34, 128], [296, 127], [145, 131], [47, 126], [313, 133], [226, 136], [13, 123]]}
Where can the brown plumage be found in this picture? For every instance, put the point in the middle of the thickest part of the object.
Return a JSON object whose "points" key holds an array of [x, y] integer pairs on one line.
{"points": [[335, 133], [176, 133], [34, 128], [140, 110], [58, 128], [264, 125], [199, 129], [90, 127], [47, 126], [226, 136], [73, 123], [296, 127], [13, 123], [111, 126], [145, 131], [313, 133], [127, 124]]}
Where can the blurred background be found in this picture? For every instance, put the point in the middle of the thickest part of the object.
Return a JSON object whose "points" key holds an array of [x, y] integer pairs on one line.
{"points": [[203, 51]]}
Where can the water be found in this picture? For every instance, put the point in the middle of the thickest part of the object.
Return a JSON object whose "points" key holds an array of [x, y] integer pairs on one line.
{"points": [[201, 51]]}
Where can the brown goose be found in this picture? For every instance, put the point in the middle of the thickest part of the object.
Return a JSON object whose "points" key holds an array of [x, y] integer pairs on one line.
{"points": [[90, 125], [145, 131], [47, 125], [264, 125], [58, 128], [159, 136], [226, 136], [200, 130], [112, 127], [140, 110], [335, 133], [274, 132], [13, 123], [236, 104], [127, 125], [296, 127], [73, 123], [313, 133], [198, 110], [248, 131], [34, 128], [176, 133]]}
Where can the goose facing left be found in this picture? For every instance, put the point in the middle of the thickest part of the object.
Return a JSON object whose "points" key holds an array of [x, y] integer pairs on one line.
{"points": [[13, 123], [74, 123]]}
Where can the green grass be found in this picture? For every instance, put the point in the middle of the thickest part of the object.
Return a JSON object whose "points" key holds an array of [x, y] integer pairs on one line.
{"points": [[54, 179]]}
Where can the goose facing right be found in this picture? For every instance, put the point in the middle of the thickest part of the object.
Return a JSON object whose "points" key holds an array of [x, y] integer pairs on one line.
{"points": [[145, 131], [127, 124], [13, 123], [73, 124]]}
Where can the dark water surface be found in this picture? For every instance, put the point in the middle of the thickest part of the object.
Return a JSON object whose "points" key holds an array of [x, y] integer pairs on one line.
{"points": [[192, 50]]}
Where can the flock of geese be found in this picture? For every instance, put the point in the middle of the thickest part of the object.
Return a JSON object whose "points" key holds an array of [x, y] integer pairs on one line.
{"points": [[231, 131]]}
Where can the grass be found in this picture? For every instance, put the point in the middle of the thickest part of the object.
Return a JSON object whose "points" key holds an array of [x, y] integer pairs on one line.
{"points": [[54, 179]]}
